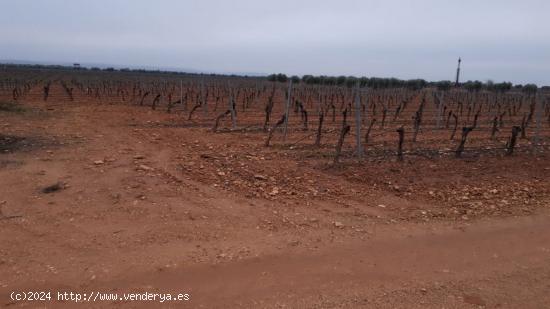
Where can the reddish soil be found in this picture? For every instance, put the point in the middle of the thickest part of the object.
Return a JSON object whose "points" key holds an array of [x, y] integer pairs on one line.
{"points": [[148, 202]]}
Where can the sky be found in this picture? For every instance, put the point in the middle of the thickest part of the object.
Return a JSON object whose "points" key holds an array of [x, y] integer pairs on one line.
{"points": [[498, 40]]}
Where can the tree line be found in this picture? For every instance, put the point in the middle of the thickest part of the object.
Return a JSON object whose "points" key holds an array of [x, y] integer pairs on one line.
{"points": [[413, 84]]}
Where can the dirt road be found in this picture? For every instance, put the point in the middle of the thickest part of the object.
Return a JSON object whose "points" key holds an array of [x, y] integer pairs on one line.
{"points": [[494, 264]]}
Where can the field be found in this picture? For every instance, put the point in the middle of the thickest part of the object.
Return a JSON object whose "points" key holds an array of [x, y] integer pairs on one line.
{"points": [[122, 181]]}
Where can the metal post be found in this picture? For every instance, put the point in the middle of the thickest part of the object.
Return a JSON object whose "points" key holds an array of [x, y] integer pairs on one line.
{"points": [[538, 117], [287, 108], [439, 107], [366, 101], [319, 101], [181, 92], [203, 98], [358, 122], [232, 109]]}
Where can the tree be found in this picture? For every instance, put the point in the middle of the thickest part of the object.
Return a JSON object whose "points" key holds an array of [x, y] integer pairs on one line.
{"points": [[490, 85], [282, 77], [328, 80], [308, 79], [363, 81], [444, 85], [473, 86], [415, 84], [502, 87], [530, 88], [351, 81], [341, 80]]}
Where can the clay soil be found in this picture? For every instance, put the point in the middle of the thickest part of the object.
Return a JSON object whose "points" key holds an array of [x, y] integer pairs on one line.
{"points": [[145, 201]]}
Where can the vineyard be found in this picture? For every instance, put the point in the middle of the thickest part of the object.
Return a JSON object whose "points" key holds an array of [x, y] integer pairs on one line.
{"points": [[315, 120], [395, 192]]}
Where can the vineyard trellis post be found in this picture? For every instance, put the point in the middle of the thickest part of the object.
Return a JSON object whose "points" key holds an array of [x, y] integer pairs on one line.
{"points": [[203, 98], [163, 91], [358, 121], [287, 108], [538, 118], [256, 95], [232, 109], [366, 108], [318, 108], [181, 92], [440, 99]]}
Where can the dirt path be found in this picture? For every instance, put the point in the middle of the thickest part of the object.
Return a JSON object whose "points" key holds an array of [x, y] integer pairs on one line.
{"points": [[487, 264], [431, 269]]}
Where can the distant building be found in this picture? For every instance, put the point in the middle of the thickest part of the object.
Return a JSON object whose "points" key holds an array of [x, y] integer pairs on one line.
{"points": [[76, 66]]}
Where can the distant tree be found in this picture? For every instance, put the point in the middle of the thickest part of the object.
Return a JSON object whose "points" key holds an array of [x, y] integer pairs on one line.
{"points": [[282, 78], [318, 79], [308, 79], [295, 79], [328, 80], [415, 84], [473, 86], [502, 87], [363, 81], [490, 85], [374, 82], [394, 82], [341, 80], [530, 88], [444, 85], [351, 81]]}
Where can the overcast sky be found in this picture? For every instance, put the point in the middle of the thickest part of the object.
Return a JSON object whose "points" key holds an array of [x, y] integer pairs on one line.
{"points": [[497, 39]]}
